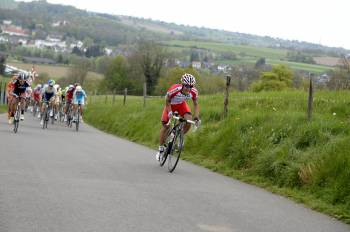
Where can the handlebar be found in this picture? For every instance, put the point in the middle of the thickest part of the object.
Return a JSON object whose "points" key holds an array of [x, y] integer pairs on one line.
{"points": [[185, 120]]}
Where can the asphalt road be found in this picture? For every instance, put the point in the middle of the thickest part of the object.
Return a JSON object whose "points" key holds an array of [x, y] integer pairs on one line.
{"points": [[60, 180]]}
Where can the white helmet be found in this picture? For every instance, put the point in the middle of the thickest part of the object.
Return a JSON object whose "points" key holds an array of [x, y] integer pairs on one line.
{"points": [[188, 79], [38, 86], [78, 88]]}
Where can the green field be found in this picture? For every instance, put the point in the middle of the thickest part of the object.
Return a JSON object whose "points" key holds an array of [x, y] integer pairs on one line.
{"points": [[222, 47], [55, 71], [265, 140], [3, 108], [252, 54]]}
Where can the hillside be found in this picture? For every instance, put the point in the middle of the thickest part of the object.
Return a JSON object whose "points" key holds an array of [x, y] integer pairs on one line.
{"points": [[114, 30], [8, 4]]}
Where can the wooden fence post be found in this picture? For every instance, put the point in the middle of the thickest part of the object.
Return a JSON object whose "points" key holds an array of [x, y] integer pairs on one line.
{"points": [[144, 94], [311, 98], [114, 92], [1, 102], [228, 82], [125, 93]]}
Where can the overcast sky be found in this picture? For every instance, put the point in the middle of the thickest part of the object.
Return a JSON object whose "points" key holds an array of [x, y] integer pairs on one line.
{"points": [[326, 22]]}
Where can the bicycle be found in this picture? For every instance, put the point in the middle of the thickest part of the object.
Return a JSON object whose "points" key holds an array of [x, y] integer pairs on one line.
{"points": [[69, 115], [46, 114], [17, 114], [36, 108], [174, 142], [77, 115]]}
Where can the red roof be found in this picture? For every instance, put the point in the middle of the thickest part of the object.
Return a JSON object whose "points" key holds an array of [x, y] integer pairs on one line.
{"points": [[15, 30]]}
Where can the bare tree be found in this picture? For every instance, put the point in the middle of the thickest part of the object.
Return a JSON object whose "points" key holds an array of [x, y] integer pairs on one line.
{"points": [[78, 72], [151, 57], [345, 61]]}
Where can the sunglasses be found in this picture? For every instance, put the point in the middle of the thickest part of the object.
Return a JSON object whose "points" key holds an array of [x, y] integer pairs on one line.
{"points": [[188, 86]]}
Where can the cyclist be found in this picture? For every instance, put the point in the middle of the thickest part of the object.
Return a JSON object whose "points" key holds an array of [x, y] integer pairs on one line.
{"points": [[69, 100], [175, 100], [57, 101], [37, 96], [28, 99], [64, 92], [9, 89], [19, 90], [79, 97], [48, 97]]}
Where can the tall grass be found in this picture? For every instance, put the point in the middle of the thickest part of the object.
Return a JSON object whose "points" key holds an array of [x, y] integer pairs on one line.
{"points": [[265, 139]]}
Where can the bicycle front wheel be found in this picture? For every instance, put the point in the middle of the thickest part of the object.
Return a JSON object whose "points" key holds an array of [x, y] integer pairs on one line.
{"points": [[16, 122], [175, 152]]}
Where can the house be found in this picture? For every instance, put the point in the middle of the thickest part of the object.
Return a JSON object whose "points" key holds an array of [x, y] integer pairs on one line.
{"points": [[79, 44], [322, 79], [15, 31], [196, 64], [222, 67], [108, 51], [3, 39], [59, 23], [7, 22], [56, 45]]}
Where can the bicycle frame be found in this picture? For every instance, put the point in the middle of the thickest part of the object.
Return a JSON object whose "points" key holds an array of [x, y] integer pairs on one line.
{"points": [[174, 142], [17, 113]]}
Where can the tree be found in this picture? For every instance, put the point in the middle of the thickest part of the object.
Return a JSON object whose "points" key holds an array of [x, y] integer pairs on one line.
{"points": [[194, 55], [94, 51], [102, 64], [116, 77], [151, 58], [77, 51], [173, 76], [281, 77], [78, 72], [260, 62], [2, 64]]}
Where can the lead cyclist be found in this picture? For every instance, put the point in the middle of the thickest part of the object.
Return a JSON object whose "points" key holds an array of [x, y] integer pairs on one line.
{"points": [[175, 100]]}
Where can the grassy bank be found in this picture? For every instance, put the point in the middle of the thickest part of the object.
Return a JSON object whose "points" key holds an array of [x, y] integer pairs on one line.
{"points": [[3, 109], [265, 140]]}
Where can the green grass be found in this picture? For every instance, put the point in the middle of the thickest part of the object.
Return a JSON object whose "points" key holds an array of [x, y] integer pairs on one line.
{"points": [[221, 47], [265, 140], [273, 55], [302, 66], [3, 108]]}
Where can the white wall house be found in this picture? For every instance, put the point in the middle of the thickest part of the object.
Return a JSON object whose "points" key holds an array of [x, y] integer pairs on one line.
{"points": [[196, 64]]}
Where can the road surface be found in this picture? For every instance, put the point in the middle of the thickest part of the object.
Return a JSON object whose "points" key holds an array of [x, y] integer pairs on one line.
{"points": [[60, 180]]}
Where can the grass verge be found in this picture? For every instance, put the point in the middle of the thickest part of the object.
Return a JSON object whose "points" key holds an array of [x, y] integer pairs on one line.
{"points": [[265, 140]]}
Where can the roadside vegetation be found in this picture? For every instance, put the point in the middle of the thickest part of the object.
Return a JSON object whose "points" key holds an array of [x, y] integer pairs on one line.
{"points": [[265, 140]]}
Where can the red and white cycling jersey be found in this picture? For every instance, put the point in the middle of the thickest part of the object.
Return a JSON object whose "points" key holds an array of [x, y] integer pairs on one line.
{"points": [[176, 97]]}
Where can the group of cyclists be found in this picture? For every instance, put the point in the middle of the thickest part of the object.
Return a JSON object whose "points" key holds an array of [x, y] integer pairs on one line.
{"points": [[51, 94], [59, 100]]}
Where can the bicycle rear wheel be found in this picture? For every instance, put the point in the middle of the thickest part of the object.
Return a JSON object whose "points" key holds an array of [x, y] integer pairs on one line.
{"points": [[16, 121], [175, 152], [45, 117], [77, 121]]}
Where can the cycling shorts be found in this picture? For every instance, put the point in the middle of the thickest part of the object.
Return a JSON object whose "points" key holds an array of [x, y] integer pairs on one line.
{"points": [[182, 109]]}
